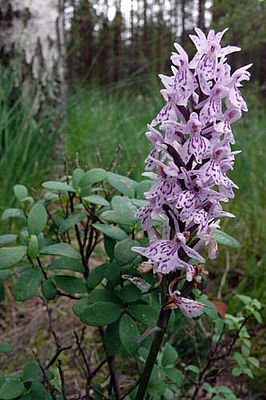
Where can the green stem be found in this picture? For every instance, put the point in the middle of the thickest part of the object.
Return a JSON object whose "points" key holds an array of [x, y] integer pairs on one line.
{"points": [[156, 345]]}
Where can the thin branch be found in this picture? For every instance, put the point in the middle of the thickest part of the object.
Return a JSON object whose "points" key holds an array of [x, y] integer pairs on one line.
{"points": [[50, 387], [42, 268], [113, 375], [79, 346], [62, 378], [212, 360], [56, 355], [130, 390], [70, 296], [57, 342]]}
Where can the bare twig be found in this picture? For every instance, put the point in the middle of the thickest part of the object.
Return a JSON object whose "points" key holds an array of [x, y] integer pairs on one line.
{"points": [[58, 345], [212, 360], [56, 355], [49, 386], [41, 267], [130, 390], [70, 296], [114, 382]]}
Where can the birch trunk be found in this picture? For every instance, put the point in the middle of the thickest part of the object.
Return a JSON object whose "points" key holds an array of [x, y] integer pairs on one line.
{"points": [[31, 31]]}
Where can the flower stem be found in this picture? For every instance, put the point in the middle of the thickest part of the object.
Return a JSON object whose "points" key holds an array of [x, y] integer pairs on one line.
{"points": [[156, 344]]}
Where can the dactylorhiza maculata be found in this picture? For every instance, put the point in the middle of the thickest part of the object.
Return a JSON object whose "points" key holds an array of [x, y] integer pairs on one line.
{"points": [[189, 161]]}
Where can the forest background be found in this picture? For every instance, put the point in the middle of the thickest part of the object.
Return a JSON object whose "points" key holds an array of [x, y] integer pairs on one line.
{"points": [[79, 80]]}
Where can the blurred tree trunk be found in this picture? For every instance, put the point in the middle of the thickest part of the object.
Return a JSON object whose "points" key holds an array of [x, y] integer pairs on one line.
{"points": [[183, 16], [201, 14], [31, 42], [118, 42]]}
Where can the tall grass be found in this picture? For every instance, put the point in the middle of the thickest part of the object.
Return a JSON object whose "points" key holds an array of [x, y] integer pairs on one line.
{"points": [[102, 122], [26, 142], [99, 120]]}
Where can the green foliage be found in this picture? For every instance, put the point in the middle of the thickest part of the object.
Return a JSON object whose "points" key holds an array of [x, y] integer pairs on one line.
{"points": [[36, 219], [61, 249], [225, 239], [92, 213], [128, 333], [27, 284], [220, 392], [111, 231], [10, 256], [23, 154]]}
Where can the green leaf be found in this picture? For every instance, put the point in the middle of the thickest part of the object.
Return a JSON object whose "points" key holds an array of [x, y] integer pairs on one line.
{"points": [[112, 341], [123, 212], [123, 253], [37, 219], [122, 183], [129, 333], [236, 371], [10, 256], [31, 372], [93, 176], [33, 246], [245, 299], [90, 178], [254, 361], [49, 289], [169, 355], [100, 313], [238, 357], [257, 315], [60, 186], [70, 284], [76, 177], [139, 202], [168, 394], [206, 386], [61, 249], [8, 238], [96, 276], [11, 389], [5, 347], [225, 239], [143, 186], [96, 199], [12, 213], [2, 379], [67, 264], [103, 295], [143, 313], [95, 296], [175, 375], [210, 308], [37, 391], [70, 222], [194, 369], [111, 231], [109, 246], [27, 284], [247, 371], [129, 294], [113, 274], [20, 192]]}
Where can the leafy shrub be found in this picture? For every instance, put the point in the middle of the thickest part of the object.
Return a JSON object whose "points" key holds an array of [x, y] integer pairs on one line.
{"points": [[49, 256]]}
